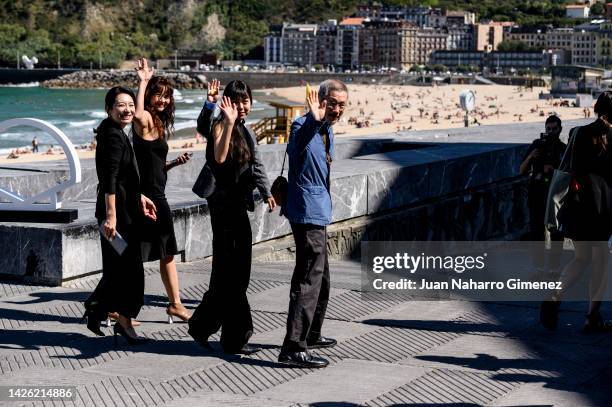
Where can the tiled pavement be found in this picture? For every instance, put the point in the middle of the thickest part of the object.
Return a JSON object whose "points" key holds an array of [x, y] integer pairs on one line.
{"points": [[393, 352]]}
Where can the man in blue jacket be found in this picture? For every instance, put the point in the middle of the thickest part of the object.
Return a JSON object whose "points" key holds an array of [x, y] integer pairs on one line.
{"points": [[309, 210]]}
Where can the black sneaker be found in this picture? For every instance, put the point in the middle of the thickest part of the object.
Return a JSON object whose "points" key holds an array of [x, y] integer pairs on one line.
{"points": [[322, 342], [302, 359]]}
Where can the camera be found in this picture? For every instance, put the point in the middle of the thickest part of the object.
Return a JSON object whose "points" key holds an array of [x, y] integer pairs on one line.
{"points": [[545, 145]]}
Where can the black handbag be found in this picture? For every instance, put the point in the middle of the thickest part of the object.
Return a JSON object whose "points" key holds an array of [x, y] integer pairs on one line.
{"points": [[205, 184], [280, 185]]}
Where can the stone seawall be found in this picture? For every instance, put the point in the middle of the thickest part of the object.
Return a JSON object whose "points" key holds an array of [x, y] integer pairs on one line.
{"points": [[388, 187]]}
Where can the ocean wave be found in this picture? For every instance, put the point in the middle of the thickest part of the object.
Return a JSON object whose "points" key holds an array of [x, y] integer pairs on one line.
{"points": [[21, 85], [187, 114], [97, 115], [13, 135], [185, 125], [82, 123], [188, 101]]}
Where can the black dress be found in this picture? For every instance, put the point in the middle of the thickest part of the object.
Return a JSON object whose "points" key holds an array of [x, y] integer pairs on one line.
{"points": [[121, 288], [157, 237], [590, 197]]}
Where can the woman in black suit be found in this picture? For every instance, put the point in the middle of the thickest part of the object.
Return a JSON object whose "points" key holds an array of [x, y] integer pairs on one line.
{"points": [[119, 207], [234, 160]]}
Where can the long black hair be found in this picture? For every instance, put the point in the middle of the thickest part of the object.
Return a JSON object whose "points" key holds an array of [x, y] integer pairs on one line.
{"points": [[163, 121], [239, 149]]}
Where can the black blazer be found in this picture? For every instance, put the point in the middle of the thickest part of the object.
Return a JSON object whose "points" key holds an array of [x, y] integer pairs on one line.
{"points": [[117, 174], [232, 180]]}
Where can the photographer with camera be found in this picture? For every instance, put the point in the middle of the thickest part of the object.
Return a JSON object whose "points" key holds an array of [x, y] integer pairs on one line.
{"points": [[542, 158]]}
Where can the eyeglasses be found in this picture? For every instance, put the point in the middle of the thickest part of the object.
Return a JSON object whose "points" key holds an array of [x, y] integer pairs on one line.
{"points": [[334, 104]]}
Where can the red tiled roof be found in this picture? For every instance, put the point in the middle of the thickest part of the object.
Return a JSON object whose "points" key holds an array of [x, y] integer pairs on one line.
{"points": [[352, 21]]}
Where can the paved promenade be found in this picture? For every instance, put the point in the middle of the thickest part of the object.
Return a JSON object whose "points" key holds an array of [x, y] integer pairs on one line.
{"points": [[395, 352]]}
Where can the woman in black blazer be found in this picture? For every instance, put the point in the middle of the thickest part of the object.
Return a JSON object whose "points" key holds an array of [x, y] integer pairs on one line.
{"points": [[234, 160], [119, 207]]}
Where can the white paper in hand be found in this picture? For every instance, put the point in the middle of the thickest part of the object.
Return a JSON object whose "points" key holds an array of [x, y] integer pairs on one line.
{"points": [[118, 242]]}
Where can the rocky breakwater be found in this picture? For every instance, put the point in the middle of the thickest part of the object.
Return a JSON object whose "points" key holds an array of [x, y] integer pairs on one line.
{"points": [[108, 79]]}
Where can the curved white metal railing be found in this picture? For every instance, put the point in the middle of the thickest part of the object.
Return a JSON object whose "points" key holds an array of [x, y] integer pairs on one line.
{"points": [[49, 199]]}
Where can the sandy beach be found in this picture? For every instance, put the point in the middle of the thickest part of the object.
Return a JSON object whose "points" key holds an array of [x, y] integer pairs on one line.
{"points": [[185, 140], [376, 109]]}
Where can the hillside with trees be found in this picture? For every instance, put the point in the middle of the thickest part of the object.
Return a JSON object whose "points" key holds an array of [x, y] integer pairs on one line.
{"points": [[83, 33]]}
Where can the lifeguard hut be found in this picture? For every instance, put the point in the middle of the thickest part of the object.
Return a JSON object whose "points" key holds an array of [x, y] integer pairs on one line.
{"points": [[276, 129]]}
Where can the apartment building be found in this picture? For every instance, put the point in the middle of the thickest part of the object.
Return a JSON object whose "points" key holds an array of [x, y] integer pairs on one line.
{"points": [[488, 34], [380, 43], [347, 45], [298, 44], [584, 44], [273, 45], [419, 43], [325, 43]]}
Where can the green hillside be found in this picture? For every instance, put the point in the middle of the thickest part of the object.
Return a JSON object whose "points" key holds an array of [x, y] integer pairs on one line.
{"points": [[87, 32]]}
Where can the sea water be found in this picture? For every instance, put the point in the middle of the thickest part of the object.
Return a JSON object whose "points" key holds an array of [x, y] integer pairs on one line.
{"points": [[77, 112]]}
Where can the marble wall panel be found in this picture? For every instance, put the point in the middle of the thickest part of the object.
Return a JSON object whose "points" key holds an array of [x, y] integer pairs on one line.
{"points": [[31, 254], [396, 187], [349, 196], [198, 233], [81, 251]]}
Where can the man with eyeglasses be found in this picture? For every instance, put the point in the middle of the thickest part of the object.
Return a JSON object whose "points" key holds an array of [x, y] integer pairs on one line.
{"points": [[309, 210]]}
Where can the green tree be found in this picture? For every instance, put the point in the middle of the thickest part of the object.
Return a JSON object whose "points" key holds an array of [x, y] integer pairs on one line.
{"points": [[598, 9]]}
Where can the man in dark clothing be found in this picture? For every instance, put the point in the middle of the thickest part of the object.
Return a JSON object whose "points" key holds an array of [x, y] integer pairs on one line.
{"points": [[542, 158]]}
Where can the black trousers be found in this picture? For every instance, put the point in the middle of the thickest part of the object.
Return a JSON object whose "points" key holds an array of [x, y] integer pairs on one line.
{"points": [[310, 287], [121, 288], [225, 305]]}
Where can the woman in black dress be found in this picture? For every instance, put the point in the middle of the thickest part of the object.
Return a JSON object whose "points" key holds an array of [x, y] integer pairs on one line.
{"points": [[119, 209], [586, 217], [233, 158], [153, 124]]}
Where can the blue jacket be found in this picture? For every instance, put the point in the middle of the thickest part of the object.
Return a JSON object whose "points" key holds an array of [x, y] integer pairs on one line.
{"points": [[308, 195]]}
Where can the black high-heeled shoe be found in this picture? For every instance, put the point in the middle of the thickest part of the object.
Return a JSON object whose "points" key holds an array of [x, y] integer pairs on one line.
{"points": [[92, 322], [549, 314], [119, 329]]}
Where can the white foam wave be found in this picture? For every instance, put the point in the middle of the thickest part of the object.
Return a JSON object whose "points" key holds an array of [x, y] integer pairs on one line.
{"points": [[21, 85], [97, 115], [189, 101], [13, 135], [82, 123], [187, 114], [185, 125]]}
